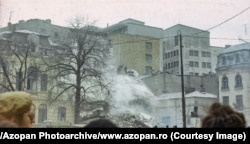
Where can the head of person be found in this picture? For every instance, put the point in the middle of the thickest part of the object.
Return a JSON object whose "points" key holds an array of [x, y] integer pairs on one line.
{"points": [[15, 107], [101, 123], [223, 116]]}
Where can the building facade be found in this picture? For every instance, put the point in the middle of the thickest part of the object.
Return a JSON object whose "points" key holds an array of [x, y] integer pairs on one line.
{"points": [[135, 46], [22, 70], [233, 70], [198, 56]]}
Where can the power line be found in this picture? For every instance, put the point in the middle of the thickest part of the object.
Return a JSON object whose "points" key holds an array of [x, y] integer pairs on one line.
{"points": [[224, 21]]}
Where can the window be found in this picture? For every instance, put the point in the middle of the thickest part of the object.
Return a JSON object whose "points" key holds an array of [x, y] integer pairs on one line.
{"points": [[148, 58], [239, 102], [191, 53], [169, 65], [238, 81], [176, 40], [42, 113], [196, 53], [32, 78], [223, 60], [237, 58], [44, 81], [204, 65], [225, 100], [224, 83], [61, 114], [196, 64], [148, 70], [203, 54], [177, 52], [208, 65], [206, 54], [148, 45], [191, 63]]}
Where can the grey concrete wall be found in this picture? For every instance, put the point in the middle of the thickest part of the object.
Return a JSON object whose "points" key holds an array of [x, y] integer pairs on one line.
{"points": [[172, 83]]}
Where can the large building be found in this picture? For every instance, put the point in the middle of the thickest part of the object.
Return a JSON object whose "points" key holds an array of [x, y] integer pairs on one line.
{"points": [[233, 70], [135, 46], [22, 69], [198, 56]]}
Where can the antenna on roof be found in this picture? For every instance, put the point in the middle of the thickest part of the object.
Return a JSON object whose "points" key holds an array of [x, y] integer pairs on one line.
{"points": [[10, 16]]}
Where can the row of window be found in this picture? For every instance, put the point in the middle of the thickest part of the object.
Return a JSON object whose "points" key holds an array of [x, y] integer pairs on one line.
{"points": [[238, 82], [42, 113], [196, 64], [172, 65], [239, 101], [196, 53], [32, 79], [171, 54], [224, 59]]}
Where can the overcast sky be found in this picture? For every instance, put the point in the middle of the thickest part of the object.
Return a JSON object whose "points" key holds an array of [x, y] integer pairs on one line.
{"points": [[202, 14]]}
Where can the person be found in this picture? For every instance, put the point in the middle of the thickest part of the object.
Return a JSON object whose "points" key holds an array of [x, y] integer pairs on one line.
{"points": [[101, 123], [15, 107], [223, 116]]}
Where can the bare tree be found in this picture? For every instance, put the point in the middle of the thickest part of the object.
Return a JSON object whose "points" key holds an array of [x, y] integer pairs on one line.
{"points": [[80, 60], [15, 59]]}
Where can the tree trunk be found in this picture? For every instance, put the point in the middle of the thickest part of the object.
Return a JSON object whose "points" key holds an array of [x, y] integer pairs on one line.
{"points": [[77, 99]]}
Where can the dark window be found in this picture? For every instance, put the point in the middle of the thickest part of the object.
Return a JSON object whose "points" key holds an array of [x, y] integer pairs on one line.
{"points": [[148, 58], [224, 82], [191, 53], [191, 63], [42, 113], [225, 100], [204, 65], [237, 58], [196, 53], [208, 65], [44, 81], [239, 102], [238, 80], [32, 78], [61, 114], [176, 40], [148, 45], [196, 64]]}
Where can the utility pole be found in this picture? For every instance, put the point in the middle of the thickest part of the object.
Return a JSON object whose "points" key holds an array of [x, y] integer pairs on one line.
{"points": [[182, 83]]}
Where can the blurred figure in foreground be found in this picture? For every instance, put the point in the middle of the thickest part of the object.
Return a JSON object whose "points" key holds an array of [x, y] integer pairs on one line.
{"points": [[4, 123], [101, 123], [223, 116], [15, 107]]}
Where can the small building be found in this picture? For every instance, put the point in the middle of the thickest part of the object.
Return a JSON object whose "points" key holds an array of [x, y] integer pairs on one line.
{"points": [[169, 108]]}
